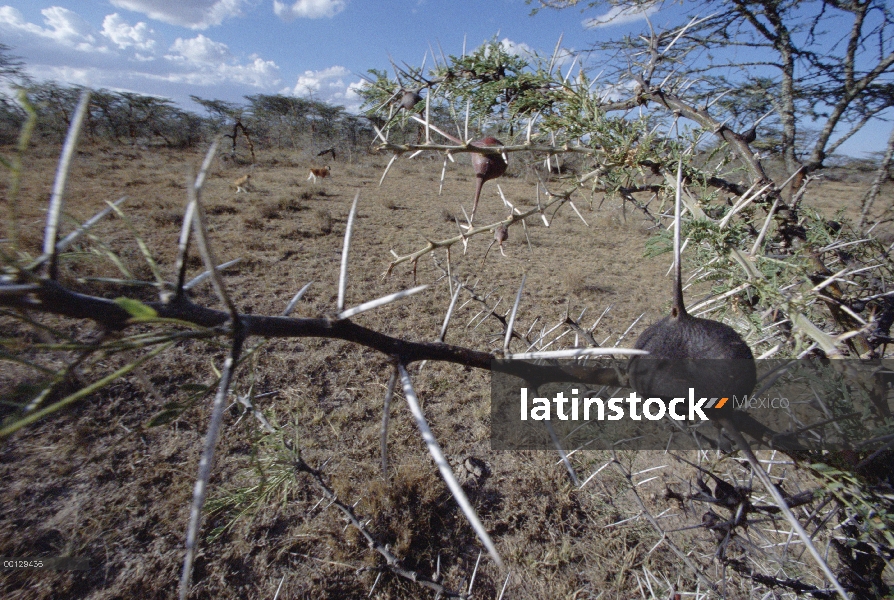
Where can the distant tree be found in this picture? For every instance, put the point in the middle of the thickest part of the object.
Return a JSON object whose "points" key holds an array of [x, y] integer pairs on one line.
{"points": [[55, 105], [145, 116], [11, 118], [356, 131], [185, 129], [116, 116], [12, 78], [279, 119], [12, 68], [220, 113]]}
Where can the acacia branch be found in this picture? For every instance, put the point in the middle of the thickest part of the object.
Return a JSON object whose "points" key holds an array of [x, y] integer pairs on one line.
{"points": [[50, 297], [461, 148], [736, 141], [446, 243]]}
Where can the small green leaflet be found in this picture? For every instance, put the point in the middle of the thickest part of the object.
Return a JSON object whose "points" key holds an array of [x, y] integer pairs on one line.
{"points": [[136, 309]]}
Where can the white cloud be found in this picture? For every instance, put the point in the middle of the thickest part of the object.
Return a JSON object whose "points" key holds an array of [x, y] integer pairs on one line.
{"points": [[124, 36], [619, 15], [11, 20], [199, 50], [328, 85], [350, 98], [202, 61], [325, 80], [563, 57], [195, 14], [67, 26], [307, 9], [259, 73], [126, 57], [517, 49], [63, 27]]}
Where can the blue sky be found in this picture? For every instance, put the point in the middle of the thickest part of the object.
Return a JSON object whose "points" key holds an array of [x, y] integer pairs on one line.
{"points": [[227, 49]]}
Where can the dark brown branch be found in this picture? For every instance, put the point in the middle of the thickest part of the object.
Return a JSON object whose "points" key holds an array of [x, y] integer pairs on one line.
{"points": [[736, 141], [56, 299]]}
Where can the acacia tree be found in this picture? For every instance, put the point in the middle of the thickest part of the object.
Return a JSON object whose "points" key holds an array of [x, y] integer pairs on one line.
{"points": [[781, 66], [680, 107], [654, 112], [13, 76]]}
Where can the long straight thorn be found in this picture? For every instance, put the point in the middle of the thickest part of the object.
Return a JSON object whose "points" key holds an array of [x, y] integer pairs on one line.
{"points": [[206, 274], [474, 572], [387, 168], [443, 173], [678, 200], [449, 313], [75, 235], [183, 246], [206, 462], [512, 314], [571, 68], [444, 467], [188, 216], [343, 275], [54, 212], [552, 61], [468, 112], [428, 117], [347, 314], [577, 212]]}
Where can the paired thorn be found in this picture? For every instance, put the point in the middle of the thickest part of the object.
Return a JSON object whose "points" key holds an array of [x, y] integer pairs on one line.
{"points": [[206, 274], [347, 314], [205, 463]]}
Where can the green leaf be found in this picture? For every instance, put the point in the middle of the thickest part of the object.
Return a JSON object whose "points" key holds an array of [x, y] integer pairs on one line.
{"points": [[136, 309]]}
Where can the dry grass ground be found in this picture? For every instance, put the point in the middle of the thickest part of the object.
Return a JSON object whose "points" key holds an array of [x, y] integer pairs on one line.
{"points": [[97, 482]]}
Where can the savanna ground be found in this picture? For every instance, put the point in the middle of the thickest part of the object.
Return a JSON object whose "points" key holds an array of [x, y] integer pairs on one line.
{"points": [[97, 482]]}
